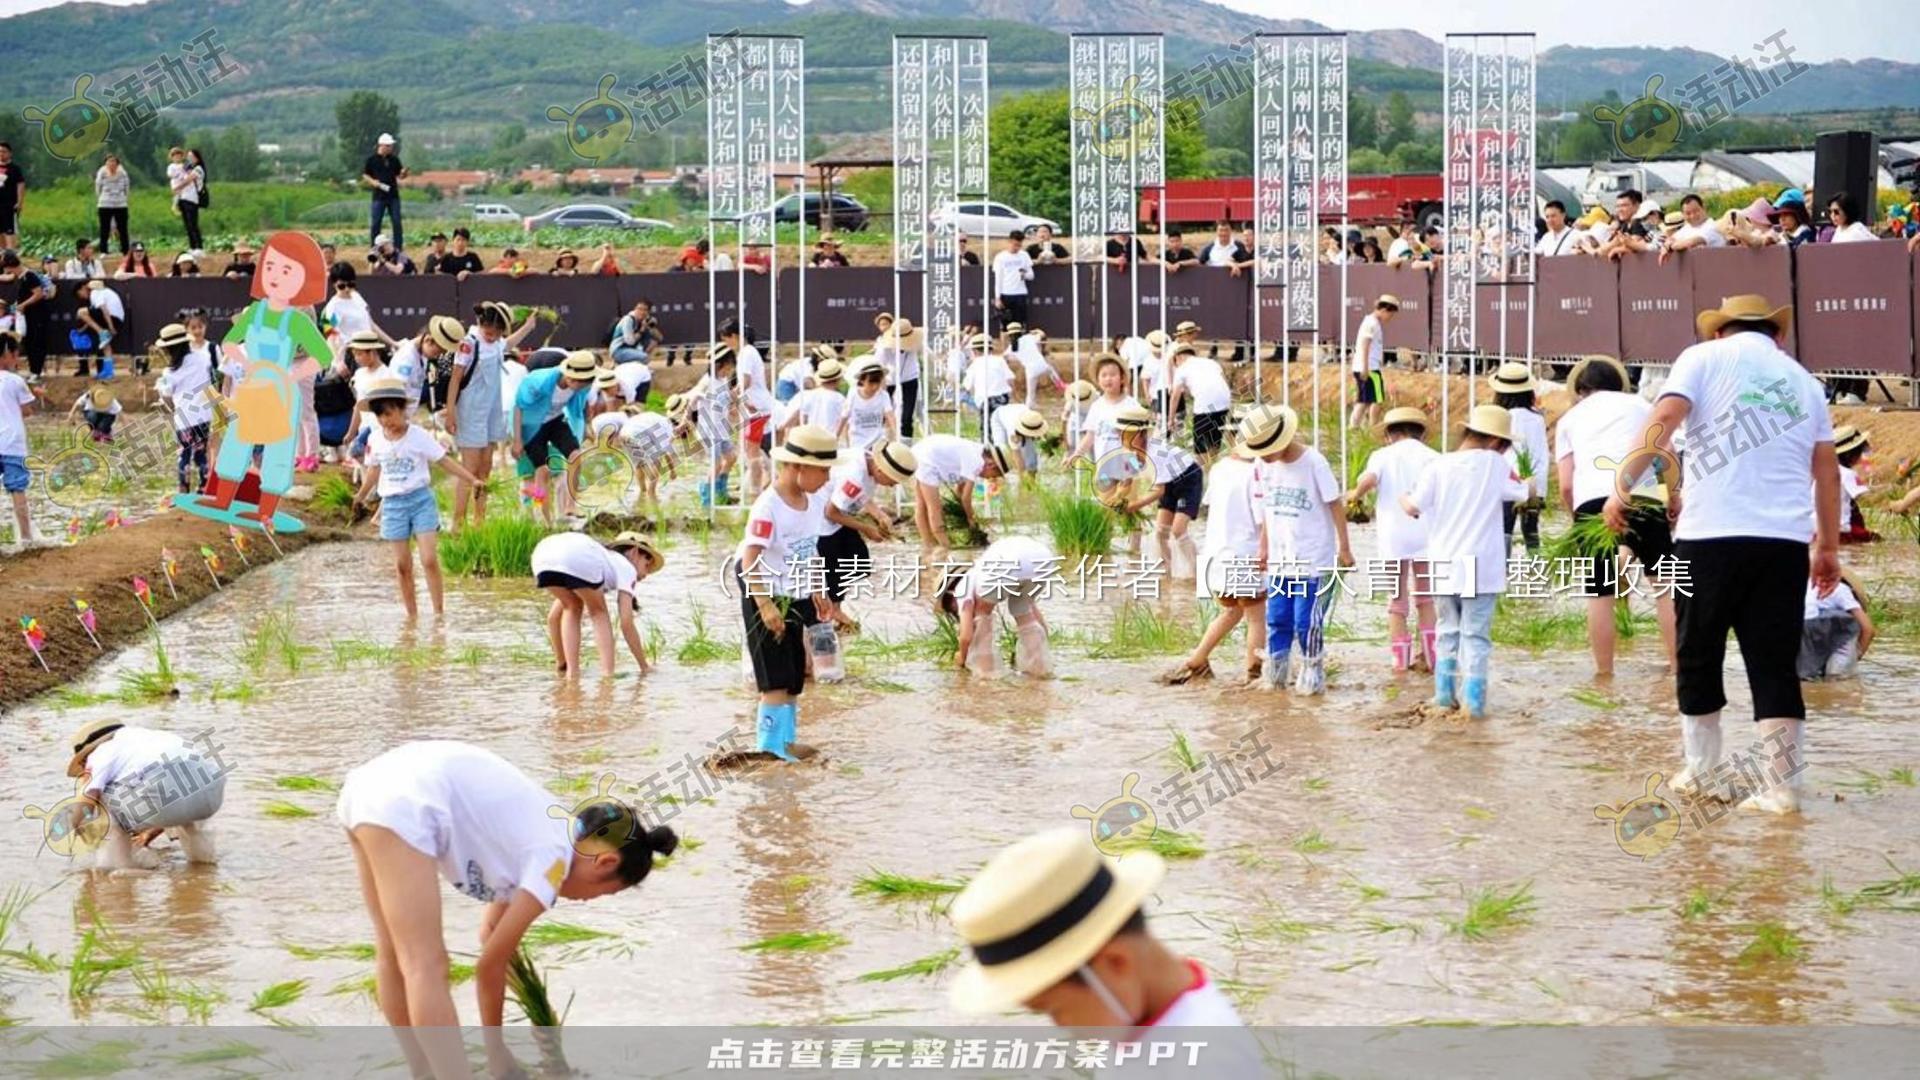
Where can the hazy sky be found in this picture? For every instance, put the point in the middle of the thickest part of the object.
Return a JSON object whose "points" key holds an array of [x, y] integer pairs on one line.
{"points": [[1829, 30]]}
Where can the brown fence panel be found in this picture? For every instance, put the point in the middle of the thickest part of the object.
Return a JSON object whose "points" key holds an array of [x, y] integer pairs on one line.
{"points": [[1579, 307], [1853, 307], [1732, 271], [1656, 308]]}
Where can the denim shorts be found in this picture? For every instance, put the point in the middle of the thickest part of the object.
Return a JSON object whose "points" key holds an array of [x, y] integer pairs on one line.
{"points": [[14, 471], [409, 515]]}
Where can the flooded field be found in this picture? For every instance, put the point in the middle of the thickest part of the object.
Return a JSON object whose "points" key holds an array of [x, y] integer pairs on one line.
{"points": [[1386, 870]]}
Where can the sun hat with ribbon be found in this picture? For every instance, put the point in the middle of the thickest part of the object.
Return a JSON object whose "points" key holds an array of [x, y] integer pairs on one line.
{"points": [[824, 351], [445, 331], [633, 541], [171, 335], [1846, 437], [1745, 308], [1264, 430], [1015, 329], [385, 388], [895, 460], [1040, 910], [82, 742], [1492, 421], [1157, 338], [1133, 416], [1514, 377], [366, 339], [980, 343], [1081, 390], [500, 310], [1187, 326], [864, 366], [605, 379], [1002, 460], [1030, 425], [720, 354], [828, 370], [1405, 414], [1580, 366], [809, 444], [580, 364]]}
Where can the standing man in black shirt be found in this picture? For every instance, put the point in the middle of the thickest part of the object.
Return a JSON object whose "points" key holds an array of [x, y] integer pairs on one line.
{"points": [[13, 198], [383, 174]]}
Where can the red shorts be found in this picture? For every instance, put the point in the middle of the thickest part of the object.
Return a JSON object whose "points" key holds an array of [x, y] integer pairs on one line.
{"points": [[757, 429]]}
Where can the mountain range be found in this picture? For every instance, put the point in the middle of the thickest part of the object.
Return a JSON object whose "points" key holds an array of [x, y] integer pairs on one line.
{"points": [[469, 66]]}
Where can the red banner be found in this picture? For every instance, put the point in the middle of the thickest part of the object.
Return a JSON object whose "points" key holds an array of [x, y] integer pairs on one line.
{"points": [[1733, 271], [1579, 307], [1853, 307], [1656, 308]]}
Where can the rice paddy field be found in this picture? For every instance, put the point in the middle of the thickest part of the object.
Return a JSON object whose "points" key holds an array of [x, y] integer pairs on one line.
{"points": [[1342, 860]]}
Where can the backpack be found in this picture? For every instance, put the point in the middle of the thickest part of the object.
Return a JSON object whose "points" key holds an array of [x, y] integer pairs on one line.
{"points": [[440, 374], [333, 394], [206, 196]]}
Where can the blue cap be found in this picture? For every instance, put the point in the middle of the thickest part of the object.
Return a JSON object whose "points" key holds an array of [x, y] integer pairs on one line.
{"points": [[1793, 195]]}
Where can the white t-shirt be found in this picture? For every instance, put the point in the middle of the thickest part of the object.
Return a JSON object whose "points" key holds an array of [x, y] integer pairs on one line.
{"points": [[1396, 468], [634, 376], [1201, 379], [1564, 242], [1706, 231], [1376, 352], [182, 191], [1756, 416], [1219, 254], [797, 373], [1005, 562], [106, 300], [820, 406], [1137, 353], [1401, 248], [485, 821], [362, 379], [1011, 270], [406, 463], [1031, 354], [1840, 601], [349, 315], [607, 423], [1854, 233], [130, 750], [646, 434], [1170, 462], [1233, 509], [867, 417], [989, 377], [1099, 420], [849, 489], [512, 372], [947, 459], [411, 368], [790, 538], [581, 556], [1604, 424], [13, 428], [1530, 434], [186, 387], [1460, 497], [1294, 497], [1850, 489], [752, 370]]}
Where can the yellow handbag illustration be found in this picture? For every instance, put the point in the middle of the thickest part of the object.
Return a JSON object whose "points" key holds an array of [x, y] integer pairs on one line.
{"points": [[263, 405]]}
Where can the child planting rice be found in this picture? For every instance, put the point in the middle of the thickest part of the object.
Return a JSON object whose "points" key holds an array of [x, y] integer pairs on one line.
{"points": [[473, 398], [580, 574], [1303, 536], [1227, 570], [707, 410], [550, 416], [852, 517], [1177, 488], [824, 406], [951, 460], [400, 460], [1513, 389], [1013, 570], [149, 782], [1393, 470], [1836, 634]]}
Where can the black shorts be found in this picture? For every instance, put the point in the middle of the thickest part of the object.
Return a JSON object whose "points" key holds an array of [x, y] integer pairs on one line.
{"points": [[1648, 534], [554, 579], [839, 551], [1208, 429], [1755, 588], [7, 223], [778, 663], [1372, 386], [554, 437], [1182, 495]]}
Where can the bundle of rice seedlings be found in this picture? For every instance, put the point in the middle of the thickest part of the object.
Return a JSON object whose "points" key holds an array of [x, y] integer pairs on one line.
{"points": [[1079, 526], [501, 546], [332, 496], [1588, 538], [527, 985], [960, 531]]}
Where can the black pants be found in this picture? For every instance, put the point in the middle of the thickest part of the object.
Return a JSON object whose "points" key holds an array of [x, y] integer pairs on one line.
{"points": [[386, 204], [844, 552], [909, 403], [1529, 525], [190, 220], [778, 663], [1013, 309], [554, 437], [1757, 589], [113, 219], [34, 343]]}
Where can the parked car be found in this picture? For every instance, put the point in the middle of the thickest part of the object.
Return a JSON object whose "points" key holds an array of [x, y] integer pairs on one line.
{"points": [[849, 214], [591, 215], [993, 220], [494, 212]]}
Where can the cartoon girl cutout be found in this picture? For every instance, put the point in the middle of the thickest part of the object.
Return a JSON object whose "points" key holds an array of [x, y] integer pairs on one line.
{"points": [[290, 278]]}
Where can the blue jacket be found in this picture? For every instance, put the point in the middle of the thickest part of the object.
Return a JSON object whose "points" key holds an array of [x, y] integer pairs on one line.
{"points": [[536, 393]]}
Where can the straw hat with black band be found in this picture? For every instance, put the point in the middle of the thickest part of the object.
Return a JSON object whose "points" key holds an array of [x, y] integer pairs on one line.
{"points": [[581, 365], [1081, 390], [1015, 329], [980, 343], [864, 366], [444, 331], [500, 309], [824, 352], [633, 541], [385, 388], [1745, 309], [1030, 425], [1513, 377], [895, 461], [367, 340], [1491, 421], [1405, 414], [1389, 301], [885, 318], [809, 444], [1580, 367], [1187, 328], [1157, 338], [1266, 429], [828, 371], [1846, 437], [83, 742], [1002, 460], [605, 379], [1039, 911], [1133, 416], [171, 335], [720, 354]]}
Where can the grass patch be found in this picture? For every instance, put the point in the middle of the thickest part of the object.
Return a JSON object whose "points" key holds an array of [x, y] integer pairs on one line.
{"points": [[1166, 843], [888, 886], [501, 546], [333, 497], [701, 647], [797, 941], [1772, 942], [285, 811], [1079, 526], [922, 968], [278, 996], [1492, 909]]}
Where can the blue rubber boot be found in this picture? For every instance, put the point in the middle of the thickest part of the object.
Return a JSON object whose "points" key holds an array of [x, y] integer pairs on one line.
{"points": [[1444, 674], [706, 495], [106, 367], [771, 730], [789, 730], [721, 494], [1476, 698]]}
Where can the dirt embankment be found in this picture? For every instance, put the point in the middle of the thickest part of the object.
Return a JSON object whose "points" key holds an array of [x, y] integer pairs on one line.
{"points": [[100, 570]]}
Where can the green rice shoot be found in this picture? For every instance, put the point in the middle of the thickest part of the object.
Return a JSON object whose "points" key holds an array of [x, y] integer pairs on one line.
{"points": [[1079, 526], [1182, 752], [362, 951], [1166, 843], [278, 996], [1772, 942], [304, 783], [797, 941], [501, 546], [547, 933], [701, 647], [527, 986], [1492, 909], [889, 886], [925, 967], [285, 811], [960, 532], [333, 496]]}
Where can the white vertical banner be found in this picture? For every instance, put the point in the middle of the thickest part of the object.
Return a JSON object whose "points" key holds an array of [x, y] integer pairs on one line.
{"points": [[1118, 148], [1330, 159], [1457, 267], [1521, 112], [1303, 174], [756, 111], [942, 282], [1269, 187], [971, 151], [909, 156]]}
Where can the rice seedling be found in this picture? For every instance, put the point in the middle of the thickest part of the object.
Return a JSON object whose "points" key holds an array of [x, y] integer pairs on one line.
{"points": [[1868, 783], [365, 986], [576, 784], [1772, 942], [304, 783], [240, 692], [362, 951], [1492, 909], [924, 967], [1349, 965], [1698, 904], [1367, 893], [1139, 631], [285, 811], [1479, 813], [501, 546], [1588, 538], [797, 941], [1079, 526], [103, 1058], [1316, 783], [546, 933], [1537, 627], [1280, 928], [888, 886], [1837, 904], [1593, 698], [459, 974], [1312, 843], [278, 996], [701, 647], [67, 697], [1182, 752], [272, 638], [332, 497], [1380, 926], [656, 638], [1904, 883], [960, 531], [350, 651], [1903, 775], [97, 958], [527, 985], [219, 1055], [1166, 843], [886, 686], [161, 991]]}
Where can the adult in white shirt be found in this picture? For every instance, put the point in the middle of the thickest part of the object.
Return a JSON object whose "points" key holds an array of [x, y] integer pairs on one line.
{"points": [[1012, 269], [447, 810], [1369, 359], [147, 782], [85, 265], [1696, 231], [1761, 515], [1199, 379], [1393, 470], [1561, 238], [1031, 352], [1845, 218]]}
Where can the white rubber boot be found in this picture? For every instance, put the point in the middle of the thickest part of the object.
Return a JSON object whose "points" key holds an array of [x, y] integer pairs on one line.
{"points": [[1163, 549], [1184, 559], [1032, 656], [1700, 742], [1785, 742], [980, 655]]}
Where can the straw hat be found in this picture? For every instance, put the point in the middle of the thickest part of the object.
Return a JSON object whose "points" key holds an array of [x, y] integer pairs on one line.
{"points": [[565, 254], [1185, 348], [1847, 437], [883, 317], [1674, 219], [828, 370], [605, 379], [500, 309], [1405, 414], [677, 406], [809, 444], [445, 331], [1030, 425], [823, 352], [863, 366], [980, 342], [172, 334], [1041, 909], [83, 741], [580, 364], [1387, 299], [1081, 390], [184, 258], [633, 541], [720, 353], [1264, 430], [895, 461], [1186, 327], [1573, 376], [1002, 460], [1133, 416], [366, 339], [903, 334], [1491, 420], [1745, 308], [1015, 329], [242, 247], [1514, 377], [1157, 338], [386, 388]]}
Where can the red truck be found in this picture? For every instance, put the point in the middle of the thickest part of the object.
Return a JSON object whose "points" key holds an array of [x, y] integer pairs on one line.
{"points": [[1382, 199]]}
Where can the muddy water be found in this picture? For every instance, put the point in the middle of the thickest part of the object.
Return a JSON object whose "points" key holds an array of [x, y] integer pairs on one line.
{"points": [[1324, 896]]}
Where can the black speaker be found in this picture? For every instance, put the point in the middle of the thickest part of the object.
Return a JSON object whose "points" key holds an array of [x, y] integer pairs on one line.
{"points": [[1847, 162]]}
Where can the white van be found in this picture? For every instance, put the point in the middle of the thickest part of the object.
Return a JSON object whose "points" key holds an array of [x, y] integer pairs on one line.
{"points": [[494, 212]]}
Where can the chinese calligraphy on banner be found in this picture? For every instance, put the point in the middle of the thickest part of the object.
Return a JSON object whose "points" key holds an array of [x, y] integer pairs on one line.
{"points": [[1118, 142], [756, 128], [1489, 180], [1300, 162], [940, 162]]}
